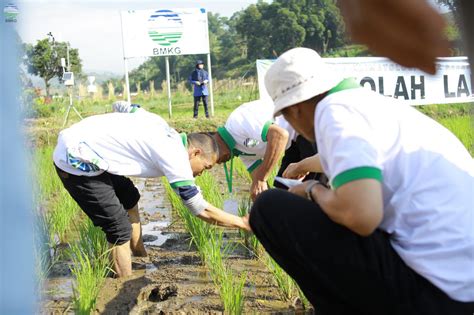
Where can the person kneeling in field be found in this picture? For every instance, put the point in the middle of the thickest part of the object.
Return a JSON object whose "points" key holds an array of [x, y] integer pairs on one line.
{"points": [[394, 233], [252, 134], [93, 157]]}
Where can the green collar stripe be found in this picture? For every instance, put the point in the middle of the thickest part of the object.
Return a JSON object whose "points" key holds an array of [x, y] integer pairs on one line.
{"points": [[363, 172], [346, 84], [265, 130], [182, 183], [134, 109], [184, 139], [254, 165], [227, 137]]}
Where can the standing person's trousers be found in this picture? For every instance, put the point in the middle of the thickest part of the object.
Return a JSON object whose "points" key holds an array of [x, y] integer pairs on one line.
{"points": [[197, 99], [339, 271]]}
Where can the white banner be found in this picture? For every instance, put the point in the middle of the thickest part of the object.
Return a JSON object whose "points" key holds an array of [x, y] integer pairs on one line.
{"points": [[165, 32], [453, 82]]}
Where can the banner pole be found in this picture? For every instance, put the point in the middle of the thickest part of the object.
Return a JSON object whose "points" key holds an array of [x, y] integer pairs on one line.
{"points": [[127, 82], [125, 65], [168, 84], [211, 93]]}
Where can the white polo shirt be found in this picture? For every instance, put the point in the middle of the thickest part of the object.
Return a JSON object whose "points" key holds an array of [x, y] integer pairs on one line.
{"points": [[248, 125], [427, 177], [129, 145]]}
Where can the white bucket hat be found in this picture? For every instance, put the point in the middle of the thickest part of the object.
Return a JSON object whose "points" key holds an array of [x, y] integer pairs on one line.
{"points": [[296, 76]]}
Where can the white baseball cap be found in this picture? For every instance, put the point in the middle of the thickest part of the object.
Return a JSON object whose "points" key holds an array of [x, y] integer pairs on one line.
{"points": [[296, 76]]}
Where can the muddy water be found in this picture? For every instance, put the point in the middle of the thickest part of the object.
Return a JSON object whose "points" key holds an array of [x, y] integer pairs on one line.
{"points": [[172, 280]]}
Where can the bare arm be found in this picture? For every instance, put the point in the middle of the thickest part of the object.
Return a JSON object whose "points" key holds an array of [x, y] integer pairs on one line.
{"points": [[356, 205], [216, 216], [277, 138], [302, 168]]}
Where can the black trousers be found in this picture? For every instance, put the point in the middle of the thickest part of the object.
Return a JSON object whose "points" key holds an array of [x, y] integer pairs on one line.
{"points": [[105, 199], [197, 99], [339, 271], [299, 150]]}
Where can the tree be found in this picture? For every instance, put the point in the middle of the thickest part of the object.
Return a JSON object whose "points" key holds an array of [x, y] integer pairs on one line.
{"points": [[270, 29], [44, 60]]}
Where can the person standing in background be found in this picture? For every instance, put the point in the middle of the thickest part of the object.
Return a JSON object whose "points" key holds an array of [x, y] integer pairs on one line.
{"points": [[199, 78]]}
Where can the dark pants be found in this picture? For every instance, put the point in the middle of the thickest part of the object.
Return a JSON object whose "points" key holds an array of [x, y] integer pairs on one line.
{"points": [[339, 271], [299, 150], [105, 199], [197, 99]]}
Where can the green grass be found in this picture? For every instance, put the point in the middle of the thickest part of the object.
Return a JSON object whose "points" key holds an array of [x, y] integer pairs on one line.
{"points": [[90, 265], [462, 127]]}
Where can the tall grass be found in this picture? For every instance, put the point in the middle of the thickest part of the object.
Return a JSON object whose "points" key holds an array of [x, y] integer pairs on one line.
{"points": [[463, 128], [90, 265], [210, 244]]}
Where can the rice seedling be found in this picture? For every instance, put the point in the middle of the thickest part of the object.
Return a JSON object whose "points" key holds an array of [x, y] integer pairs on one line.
{"points": [[44, 259], [210, 244], [48, 184], [250, 240], [241, 170], [90, 265], [286, 285], [230, 287], [199, 230], [63, 211], [231, 290]]}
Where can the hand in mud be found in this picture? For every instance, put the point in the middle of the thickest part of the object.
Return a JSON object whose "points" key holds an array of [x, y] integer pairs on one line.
{"points": [[410, 32], [246, 224], [258, 186], [293, 172]]}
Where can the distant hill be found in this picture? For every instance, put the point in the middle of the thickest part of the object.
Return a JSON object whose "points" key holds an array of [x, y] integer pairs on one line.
{"points": [[101, 76]]}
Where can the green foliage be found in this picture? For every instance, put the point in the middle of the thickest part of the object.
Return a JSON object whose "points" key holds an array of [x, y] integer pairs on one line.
{"points": [[44, 60], [269, 29], [462, 127], [287, 286], [210, 244], [62, 209], [90, 265]]}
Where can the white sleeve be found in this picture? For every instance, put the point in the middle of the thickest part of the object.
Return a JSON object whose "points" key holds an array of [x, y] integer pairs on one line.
{"points": [[171, 158], [347, 146], [251, 162]]}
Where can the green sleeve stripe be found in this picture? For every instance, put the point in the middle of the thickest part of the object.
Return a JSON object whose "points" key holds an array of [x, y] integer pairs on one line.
{"points": [[356, 174], [254, 165], [182, 183], [265, 130], [227, 137], [346, 84]]}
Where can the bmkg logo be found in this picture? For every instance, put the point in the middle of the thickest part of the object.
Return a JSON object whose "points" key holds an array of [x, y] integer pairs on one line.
{"points": [[165, 27], [10, 11]]}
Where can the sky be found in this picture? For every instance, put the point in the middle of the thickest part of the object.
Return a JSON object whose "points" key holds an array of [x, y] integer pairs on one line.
{"points": [[94, 26]]}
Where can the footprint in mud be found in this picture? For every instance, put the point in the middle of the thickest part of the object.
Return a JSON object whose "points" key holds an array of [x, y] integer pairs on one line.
{"points": [[154, 293]]}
